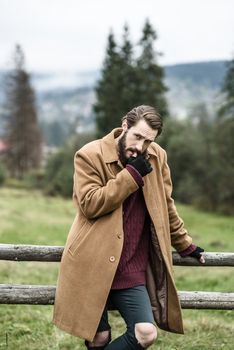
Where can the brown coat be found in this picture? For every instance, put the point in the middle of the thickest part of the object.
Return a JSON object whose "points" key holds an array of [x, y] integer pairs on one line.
{"points": [[95, 240]]}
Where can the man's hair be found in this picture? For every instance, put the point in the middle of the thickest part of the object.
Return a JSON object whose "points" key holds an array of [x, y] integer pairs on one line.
{"points": [[147, 113]]}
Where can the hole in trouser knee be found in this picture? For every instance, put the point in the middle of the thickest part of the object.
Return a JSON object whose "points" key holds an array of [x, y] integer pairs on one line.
{"points": [[147, 337]]}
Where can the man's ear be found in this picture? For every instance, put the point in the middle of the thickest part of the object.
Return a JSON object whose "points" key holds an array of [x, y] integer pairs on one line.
{"points": [[125, 125]]}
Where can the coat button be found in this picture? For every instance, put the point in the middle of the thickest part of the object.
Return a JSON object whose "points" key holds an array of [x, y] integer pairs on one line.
{"points": [[112, 258]]}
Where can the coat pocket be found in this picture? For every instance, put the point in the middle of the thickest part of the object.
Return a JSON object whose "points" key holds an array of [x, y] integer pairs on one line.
{"points": [[79, 237]]}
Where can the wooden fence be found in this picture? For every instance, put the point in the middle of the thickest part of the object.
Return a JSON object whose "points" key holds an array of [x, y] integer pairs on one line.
{"points": [[44, 295]]}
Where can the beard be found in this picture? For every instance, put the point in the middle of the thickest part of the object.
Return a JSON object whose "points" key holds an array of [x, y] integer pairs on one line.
{"points": [[122, 149]]}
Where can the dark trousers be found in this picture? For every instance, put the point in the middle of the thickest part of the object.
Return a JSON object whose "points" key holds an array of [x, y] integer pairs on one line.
{"points": [[134, 306]]}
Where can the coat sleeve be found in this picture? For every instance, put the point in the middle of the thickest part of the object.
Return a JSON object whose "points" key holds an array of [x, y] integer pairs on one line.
{"points": [[96, 198], [180, 238]]}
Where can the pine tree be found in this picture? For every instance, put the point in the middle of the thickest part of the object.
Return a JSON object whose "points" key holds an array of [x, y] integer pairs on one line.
{"points": [[227, 109], [128, 75], [151, 88], [126, 82], [22, 132], [116, 91], [224, 144], [108, 91]]}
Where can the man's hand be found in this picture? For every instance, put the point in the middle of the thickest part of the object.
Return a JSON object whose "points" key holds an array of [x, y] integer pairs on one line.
{"points": [[141, 164], [197, 254]]}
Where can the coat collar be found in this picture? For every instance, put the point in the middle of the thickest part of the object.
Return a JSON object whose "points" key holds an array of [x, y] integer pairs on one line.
{"points": [[109, 150]]}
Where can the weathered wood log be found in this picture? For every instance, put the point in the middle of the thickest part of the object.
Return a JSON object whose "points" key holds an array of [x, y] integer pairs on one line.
{"points": [[207, 300], [212, 259], [23, 252], [44, 295], [27, 294]]}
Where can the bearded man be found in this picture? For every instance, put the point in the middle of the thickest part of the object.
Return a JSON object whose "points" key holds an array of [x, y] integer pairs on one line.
{"points": [[118, 250]]}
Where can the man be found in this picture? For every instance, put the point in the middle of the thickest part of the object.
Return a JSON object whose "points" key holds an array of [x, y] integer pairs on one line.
{"points": [[118, 251]]}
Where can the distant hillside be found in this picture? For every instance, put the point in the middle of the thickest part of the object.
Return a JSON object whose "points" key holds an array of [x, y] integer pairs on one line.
{"points": [[67, 97], [193, 83], [203, 73]]}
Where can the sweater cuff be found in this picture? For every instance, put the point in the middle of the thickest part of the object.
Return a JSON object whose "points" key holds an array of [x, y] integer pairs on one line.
{"points": [[188, 250], [135, 174]]}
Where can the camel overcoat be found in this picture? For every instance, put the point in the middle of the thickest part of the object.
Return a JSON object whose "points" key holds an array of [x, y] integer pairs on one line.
{"points": [[95, 240]]}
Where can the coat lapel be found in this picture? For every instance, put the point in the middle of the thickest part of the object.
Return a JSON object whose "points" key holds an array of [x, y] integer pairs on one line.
{"points": [[108, 146]]}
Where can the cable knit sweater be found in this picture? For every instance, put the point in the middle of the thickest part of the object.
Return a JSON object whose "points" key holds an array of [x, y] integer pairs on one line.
{"points": [[136, 226], [134, 257]]}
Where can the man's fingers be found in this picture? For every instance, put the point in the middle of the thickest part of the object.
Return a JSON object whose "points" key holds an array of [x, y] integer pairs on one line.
{"points": [[202, 259]]}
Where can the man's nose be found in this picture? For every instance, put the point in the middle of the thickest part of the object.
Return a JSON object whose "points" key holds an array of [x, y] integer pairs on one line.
{"points": [[139, 146]]}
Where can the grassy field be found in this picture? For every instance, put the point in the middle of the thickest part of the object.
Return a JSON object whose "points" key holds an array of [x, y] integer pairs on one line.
{"points": [[30, 218]]}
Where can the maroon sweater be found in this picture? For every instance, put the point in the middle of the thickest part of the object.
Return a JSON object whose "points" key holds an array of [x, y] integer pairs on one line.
{"points": [[134, 257], [136, 226]]}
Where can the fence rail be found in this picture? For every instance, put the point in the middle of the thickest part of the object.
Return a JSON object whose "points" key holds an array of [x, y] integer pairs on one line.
{"points": [[23, 252], [44, 295]]}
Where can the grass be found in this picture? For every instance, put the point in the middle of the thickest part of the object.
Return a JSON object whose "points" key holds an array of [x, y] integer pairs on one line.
{"points": [[28, 217]]}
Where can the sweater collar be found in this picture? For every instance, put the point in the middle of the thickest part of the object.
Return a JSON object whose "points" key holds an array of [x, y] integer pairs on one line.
{"points": [[109, 150]]}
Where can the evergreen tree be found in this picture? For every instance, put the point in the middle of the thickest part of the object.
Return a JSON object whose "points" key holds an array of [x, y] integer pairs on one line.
{"points": [[127, 82], [224, 163], [22, 132], [224, 144], [151, 88], [127, 48], [108, 91], [128, 75], [227, 109]]}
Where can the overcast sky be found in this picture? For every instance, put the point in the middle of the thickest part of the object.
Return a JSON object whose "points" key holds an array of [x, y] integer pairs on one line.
{"points": [[68, 35]]}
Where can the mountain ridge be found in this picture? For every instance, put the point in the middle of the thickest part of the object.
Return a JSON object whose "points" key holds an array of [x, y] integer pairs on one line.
{"points": [[67, 97]]}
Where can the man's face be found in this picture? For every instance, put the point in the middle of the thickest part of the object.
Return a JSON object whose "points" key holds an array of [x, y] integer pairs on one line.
{"points": [[135, 140]]}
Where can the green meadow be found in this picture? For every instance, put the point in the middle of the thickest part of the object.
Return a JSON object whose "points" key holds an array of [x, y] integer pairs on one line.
{"points": [[28, 217]]}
